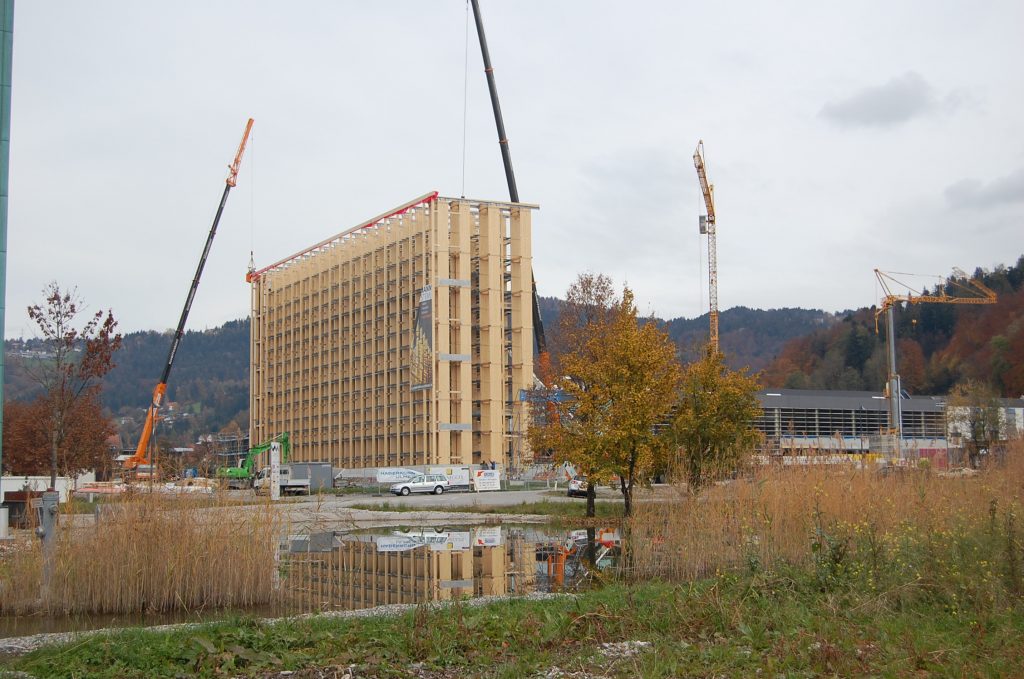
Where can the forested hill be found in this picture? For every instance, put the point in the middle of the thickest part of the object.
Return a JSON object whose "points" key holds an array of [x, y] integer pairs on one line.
{"points": [[938, 345], [748, 337], [209, 380], [211, 368]]}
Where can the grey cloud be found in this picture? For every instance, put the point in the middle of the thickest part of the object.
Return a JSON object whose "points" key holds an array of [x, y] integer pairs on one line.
{"points": [[897, 101], [971, 193]]}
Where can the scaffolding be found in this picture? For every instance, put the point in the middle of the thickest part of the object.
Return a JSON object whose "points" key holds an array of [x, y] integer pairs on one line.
{"points": [[335, 330]]}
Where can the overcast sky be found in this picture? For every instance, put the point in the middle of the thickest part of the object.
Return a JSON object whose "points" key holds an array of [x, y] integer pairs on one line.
{"points": [[840, 137]]}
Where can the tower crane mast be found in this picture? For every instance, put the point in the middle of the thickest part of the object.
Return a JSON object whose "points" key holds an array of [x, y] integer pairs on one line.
{"points": [[964, 291], [707, 226]]}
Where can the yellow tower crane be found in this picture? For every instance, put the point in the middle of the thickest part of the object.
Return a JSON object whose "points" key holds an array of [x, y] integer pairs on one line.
{"points": [[707, 226], [958, 289]]}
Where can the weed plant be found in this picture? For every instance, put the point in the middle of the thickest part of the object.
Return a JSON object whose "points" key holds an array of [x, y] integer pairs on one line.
{"points": [[150, 553], [954, 542]]}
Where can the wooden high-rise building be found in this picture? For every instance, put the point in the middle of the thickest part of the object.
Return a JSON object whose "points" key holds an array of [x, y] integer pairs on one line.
{"points": [[405, 340]]}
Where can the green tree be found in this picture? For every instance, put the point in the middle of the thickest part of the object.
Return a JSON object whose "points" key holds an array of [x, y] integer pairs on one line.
{"points": [[713, 422]]}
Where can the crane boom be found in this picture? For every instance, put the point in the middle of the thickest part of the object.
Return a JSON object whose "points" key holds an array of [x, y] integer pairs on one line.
{"points": [[967, 291], [708, 226], [506, 159], [141, 455]]}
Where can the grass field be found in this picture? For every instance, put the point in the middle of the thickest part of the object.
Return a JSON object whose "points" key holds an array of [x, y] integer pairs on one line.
{"points": [[790, 571], [780, 623]]}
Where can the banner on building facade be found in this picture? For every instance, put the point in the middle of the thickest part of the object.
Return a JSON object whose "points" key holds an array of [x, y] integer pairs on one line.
{"points": [[422, 368]]}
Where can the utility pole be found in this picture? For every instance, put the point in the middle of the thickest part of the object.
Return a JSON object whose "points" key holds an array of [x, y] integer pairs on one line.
{"points": [[6, 54]]}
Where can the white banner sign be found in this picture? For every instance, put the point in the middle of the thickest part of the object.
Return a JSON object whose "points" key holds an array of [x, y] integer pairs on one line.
{"points": [[394, 474], [457, 476], [487, 479], [386, 543], [437, 542], [487, 536]]}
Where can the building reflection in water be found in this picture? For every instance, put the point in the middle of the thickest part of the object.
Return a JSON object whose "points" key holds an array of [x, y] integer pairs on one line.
{"points": [[347, 571]]}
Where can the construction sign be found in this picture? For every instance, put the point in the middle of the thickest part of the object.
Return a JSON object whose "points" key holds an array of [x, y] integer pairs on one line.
{"points": [[486, 479]]}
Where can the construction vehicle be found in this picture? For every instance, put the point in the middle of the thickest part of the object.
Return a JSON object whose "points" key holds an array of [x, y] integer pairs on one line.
{"points": [[707, 226], [965, 291], [242, 476], [301, 478], [140, 462]]}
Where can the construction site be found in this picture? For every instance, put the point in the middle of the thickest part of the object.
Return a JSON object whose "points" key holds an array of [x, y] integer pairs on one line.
{"points": [[406, 354], [405, 340]]}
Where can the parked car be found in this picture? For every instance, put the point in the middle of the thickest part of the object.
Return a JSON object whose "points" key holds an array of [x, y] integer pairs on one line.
{"points": [[578, 486], [422, 483]]}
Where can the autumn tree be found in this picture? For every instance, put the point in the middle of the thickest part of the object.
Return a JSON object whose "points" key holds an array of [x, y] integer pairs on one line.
{"points": [[75, 362], [27, 436], [713, 423], [26, 441], [911, 364], [618, 381], [569, 429]]}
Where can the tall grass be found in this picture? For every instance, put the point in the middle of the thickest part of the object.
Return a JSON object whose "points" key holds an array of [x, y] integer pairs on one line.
{"points": [[842, 521], [150, 553]]}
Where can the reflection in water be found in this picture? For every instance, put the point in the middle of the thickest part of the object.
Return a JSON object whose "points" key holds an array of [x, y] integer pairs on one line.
{"points": [[335, 571]]}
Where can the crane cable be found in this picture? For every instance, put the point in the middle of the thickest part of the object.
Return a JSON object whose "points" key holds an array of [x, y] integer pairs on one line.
{"points": [[465, 100], [252, 201]]}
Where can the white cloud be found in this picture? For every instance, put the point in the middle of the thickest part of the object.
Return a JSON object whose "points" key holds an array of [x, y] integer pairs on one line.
{"points": [[973, 194], [901, 99]]}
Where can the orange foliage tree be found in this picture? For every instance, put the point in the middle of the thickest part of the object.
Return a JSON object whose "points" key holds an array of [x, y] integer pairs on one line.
{"points": [[27, 437]]}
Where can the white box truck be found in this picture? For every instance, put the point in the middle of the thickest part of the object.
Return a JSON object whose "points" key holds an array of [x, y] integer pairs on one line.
{"points": [[303, 478]]}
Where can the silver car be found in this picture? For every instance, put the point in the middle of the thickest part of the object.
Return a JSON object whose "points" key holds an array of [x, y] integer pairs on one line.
{"points": [[422, 483]]}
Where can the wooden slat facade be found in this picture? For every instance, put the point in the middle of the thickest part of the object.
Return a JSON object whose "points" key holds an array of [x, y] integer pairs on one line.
{"points": [[332, 330]]}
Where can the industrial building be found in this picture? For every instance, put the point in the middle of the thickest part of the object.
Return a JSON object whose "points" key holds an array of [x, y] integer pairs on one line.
{"points": [[804, 420], [404, 340]]}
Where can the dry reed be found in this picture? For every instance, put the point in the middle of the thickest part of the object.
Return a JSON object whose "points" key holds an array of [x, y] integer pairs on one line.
{"points": [[151, 553], [788, 514]]}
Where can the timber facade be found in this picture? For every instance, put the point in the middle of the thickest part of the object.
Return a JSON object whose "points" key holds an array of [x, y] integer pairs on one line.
{"points": [[405, 340]]}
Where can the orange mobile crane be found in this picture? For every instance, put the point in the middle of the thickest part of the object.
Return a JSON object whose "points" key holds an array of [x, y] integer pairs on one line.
{"points": [[140, 462]]}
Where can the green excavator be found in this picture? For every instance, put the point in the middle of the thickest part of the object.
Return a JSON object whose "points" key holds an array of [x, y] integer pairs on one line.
{"points": [[241, 477]]}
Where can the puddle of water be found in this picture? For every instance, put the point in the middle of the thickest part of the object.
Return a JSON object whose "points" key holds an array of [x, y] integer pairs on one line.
{"points": [[349, 570]]}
